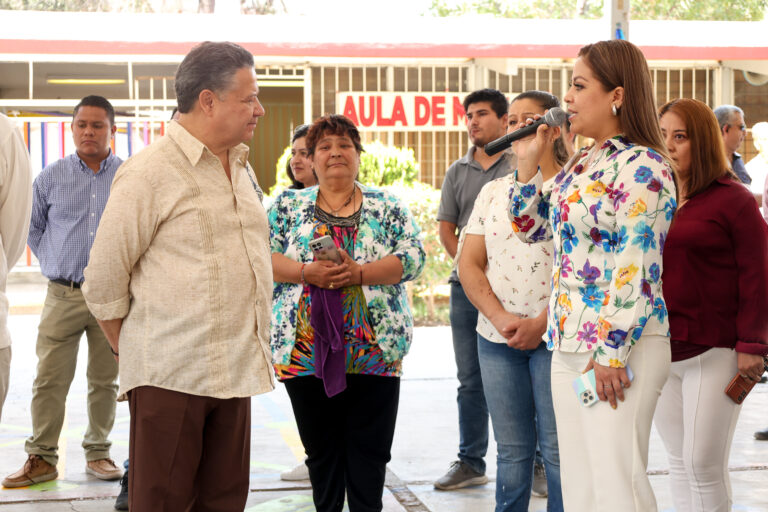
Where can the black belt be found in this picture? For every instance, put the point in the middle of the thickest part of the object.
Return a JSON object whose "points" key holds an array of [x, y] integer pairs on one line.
{"points": [[65, 282]]}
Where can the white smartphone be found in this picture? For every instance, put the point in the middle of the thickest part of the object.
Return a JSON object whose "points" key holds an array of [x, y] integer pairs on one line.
{"points": [[584, 386], [324, 249]]}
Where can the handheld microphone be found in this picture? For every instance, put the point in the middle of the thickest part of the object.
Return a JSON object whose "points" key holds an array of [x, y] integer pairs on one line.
{"points": [[555, 117]]}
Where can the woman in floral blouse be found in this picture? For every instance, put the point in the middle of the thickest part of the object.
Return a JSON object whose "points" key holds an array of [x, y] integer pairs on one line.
{"points": [[340, 331], [608, 215], [715, 278]]}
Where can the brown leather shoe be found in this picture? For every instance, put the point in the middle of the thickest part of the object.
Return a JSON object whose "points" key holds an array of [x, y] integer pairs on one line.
{"points": [[104, 469], [34, 471]]}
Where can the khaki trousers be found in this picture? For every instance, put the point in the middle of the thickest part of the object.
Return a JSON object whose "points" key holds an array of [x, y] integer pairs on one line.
{"points": [[64, 318], [604, 452], [5, 372]]}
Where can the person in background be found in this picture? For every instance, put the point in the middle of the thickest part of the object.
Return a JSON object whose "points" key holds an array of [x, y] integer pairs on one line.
{"points": [[608, 215], [15, 209], [180, 280], [69, 198], [299, 167], [508, 281], [299, 170], [733, 129], [486, 112], [340, 329], [760, 140], [715, 277], [758, 166]]}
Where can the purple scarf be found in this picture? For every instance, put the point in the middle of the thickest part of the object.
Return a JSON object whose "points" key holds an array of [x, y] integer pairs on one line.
{"points": [[326, 317]]}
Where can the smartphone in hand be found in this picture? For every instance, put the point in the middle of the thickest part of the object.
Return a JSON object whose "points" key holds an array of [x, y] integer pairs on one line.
{"points": [[586, 390], [739, 387], [324, 249]]}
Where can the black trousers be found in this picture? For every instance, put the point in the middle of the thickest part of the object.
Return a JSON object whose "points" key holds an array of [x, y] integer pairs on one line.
{"points": [[347, 438]]}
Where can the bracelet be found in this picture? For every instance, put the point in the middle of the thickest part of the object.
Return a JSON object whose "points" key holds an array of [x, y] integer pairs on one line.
{"points": [[301, 274], [112, 350], [361, 274]]}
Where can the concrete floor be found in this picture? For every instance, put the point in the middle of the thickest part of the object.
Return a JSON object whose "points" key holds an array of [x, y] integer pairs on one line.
{"points": [[425, 441]]}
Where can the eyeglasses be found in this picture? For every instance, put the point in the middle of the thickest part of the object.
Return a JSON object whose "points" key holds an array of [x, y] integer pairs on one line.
{"points": [[741, 127]]}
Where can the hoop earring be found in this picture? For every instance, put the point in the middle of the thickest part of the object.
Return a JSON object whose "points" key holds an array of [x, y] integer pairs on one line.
{"points": [[614, 110]]}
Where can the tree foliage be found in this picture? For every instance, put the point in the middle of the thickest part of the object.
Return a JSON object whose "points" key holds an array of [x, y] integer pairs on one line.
{"points": [[522, 9], [203, 6], [734, 10], [77, 5]]}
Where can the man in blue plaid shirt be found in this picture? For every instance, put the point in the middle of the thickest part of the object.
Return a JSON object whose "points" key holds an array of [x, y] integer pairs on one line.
{"points": [[69, 197]]}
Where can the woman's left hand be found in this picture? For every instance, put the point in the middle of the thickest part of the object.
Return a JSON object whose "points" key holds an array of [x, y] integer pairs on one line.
{"points": [[750, 365], [609, 382], [355, 269]]}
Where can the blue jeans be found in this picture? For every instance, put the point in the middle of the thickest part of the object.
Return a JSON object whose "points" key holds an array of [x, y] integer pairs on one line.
{"points": [[519, 396], [473, 413]]}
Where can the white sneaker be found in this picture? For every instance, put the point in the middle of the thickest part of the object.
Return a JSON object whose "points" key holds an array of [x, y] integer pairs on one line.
{"points": [[300, 472]]}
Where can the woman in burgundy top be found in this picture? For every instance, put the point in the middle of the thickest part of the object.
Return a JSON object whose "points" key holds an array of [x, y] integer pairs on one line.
{"points": [[715, 284]]}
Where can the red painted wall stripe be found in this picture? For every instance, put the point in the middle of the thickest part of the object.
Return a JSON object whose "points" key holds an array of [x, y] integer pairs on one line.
{"points": [[373, 50]]}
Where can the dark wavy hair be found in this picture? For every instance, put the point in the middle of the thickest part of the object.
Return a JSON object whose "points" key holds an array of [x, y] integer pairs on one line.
{"points": [[547, 101], [333, 124], [496, 98], [299, 132]]}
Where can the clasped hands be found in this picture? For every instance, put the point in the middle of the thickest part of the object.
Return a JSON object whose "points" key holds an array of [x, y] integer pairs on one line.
{"points": [[520, 333], [330, 275]]}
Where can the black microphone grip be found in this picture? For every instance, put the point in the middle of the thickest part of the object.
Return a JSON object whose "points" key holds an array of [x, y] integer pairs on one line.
{"points": [[554, 117], [506, 141]]}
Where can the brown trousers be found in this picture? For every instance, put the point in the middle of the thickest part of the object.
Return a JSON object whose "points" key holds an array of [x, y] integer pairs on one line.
{"points": [[188, 452]]}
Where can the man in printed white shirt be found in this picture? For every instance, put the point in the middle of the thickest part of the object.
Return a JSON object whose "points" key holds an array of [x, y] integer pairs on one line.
{"points": [[15, 207], [180, 278]]}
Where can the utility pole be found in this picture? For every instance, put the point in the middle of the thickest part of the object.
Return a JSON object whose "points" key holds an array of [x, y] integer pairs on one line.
{"points": [[617, 14]]}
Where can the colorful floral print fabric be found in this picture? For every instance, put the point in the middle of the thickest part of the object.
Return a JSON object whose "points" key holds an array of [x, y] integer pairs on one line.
{"points": [[386, 227], [608, 223], [363, 355]]}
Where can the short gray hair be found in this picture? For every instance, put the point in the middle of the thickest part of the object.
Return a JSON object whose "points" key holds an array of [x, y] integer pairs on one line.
{"points": [[209, 66], [724, 113]]}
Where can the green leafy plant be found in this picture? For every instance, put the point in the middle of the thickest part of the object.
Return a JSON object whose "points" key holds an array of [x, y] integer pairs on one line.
{"points": [[423, 200]]}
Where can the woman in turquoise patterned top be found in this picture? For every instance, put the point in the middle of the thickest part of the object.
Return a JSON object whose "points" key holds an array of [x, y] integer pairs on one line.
{"points": [[341, 365], [608, 215]]}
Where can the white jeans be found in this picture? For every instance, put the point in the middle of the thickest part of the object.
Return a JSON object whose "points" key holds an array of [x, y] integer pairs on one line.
{"points": [[696, 420], [604, 452]]}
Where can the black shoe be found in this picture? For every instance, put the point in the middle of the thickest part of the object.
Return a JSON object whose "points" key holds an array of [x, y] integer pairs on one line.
{"points": [[121, 503], [762, 435]]}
